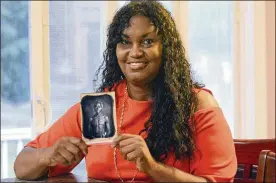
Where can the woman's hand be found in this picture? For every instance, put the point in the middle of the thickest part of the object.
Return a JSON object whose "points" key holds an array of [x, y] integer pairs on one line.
{"points": [[66, 150], [134, 148]]}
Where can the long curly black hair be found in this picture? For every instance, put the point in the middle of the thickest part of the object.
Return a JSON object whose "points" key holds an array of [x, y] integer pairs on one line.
{"points": [[170, 127]]}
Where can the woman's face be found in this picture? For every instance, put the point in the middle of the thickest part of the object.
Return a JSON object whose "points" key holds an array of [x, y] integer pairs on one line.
{"points": [[139, 52]]}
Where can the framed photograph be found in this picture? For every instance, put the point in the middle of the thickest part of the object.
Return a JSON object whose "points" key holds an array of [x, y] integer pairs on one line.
{"points": [[98, 117]]}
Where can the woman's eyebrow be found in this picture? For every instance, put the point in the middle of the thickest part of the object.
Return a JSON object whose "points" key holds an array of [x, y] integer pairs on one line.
{"points": [[146, 34], [154, 31]]}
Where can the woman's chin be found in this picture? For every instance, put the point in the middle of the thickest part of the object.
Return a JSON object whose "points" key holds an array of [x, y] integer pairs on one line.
{"points": [[136, 78]]}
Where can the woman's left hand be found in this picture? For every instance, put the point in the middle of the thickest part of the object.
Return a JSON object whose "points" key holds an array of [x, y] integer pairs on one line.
{"points": [[134, 148]]}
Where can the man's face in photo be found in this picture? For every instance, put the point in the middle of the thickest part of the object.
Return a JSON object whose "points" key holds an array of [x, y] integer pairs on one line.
{"points": [[99, 107]]}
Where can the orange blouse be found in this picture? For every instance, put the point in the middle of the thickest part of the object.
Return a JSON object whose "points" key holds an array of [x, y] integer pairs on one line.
{"points": [[214, 160]]}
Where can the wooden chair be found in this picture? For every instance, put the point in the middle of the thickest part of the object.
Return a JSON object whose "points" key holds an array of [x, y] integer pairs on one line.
{"points": [[266, 167], [248, 152]]}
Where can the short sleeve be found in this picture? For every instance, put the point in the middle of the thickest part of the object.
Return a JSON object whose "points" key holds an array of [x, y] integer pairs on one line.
{"points": [[215, 157], [68, 125]]}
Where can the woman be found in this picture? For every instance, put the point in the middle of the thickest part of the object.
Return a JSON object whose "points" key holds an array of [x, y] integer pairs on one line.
{"points": [[171, 129]]}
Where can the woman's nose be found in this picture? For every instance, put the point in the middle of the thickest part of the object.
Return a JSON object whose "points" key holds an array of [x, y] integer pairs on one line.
{"points": [[136, 51]]}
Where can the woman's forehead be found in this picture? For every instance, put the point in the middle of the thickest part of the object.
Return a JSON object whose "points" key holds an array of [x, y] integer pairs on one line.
{"points": [[138, 19], [140, 25]]}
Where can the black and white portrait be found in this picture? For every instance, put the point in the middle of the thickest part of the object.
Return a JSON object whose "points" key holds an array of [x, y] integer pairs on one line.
{"points": [[98, 117]]}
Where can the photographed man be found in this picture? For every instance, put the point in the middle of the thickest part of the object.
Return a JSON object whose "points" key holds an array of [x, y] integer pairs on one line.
{"points": [[99, 123]]}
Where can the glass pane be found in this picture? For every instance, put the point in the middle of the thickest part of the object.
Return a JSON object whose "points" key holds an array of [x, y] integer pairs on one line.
{"points": [[211, 36], [15, 78], [16, 117], [75, 52]]}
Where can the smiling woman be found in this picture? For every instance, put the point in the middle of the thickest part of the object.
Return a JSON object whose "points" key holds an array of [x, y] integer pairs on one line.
{"points": [[170, 126]]}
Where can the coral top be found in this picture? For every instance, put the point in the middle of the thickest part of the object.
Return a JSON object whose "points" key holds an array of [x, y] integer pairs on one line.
{"points": [[216, 160]]}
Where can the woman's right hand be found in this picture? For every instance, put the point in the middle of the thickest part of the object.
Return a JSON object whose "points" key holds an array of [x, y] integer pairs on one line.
{"points": [[66, 150]]}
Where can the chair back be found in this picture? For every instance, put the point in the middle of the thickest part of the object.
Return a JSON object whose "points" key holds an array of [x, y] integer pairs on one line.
{"points": [[266, 167], [247, 152]]}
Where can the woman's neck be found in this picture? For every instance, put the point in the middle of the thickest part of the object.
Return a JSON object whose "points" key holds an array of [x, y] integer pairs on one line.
{"points": [[139, 92]]}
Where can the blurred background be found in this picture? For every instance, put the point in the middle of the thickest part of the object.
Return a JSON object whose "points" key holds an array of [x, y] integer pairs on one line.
{"points": [[51, 50]]}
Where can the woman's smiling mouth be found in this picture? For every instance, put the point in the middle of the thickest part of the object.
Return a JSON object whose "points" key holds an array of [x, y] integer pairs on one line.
{"points": [[137, 65]]}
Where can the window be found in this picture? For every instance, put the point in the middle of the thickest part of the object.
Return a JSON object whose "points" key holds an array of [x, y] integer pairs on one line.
{"points": [[16, 116], [210, 42], [75, 53]]}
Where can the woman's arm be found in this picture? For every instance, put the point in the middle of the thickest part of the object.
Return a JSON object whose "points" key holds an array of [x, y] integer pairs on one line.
{"points": [[29, 164], [53, 151], [32, 163]]}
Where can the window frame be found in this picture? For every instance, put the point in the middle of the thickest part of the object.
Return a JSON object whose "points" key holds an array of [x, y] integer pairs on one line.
{"points": [[39, 65]]}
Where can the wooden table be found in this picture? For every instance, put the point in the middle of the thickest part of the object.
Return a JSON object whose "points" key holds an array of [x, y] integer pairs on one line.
{"points": [[64, 178]]}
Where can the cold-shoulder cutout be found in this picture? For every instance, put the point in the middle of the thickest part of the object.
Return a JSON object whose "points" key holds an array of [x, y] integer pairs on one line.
{"points": [[206, 100]]}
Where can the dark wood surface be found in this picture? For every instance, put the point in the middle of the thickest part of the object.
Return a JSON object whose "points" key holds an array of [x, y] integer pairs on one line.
{"points": [[266, 168], [248, 152], [63, 178]]}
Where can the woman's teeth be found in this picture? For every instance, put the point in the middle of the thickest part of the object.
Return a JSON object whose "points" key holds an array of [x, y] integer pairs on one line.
{"points": [[137, 65]]}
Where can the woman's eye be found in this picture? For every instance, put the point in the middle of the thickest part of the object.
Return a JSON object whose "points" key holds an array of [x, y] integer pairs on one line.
{"points": [[148, 41]]}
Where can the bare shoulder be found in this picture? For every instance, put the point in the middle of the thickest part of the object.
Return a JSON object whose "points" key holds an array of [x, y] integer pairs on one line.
{"points": [[206, 100]]}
